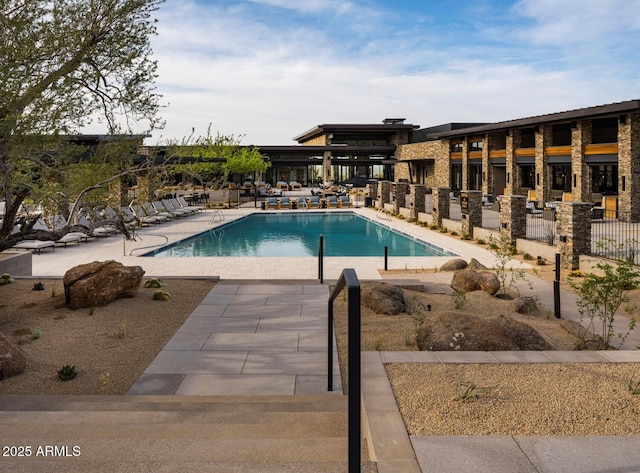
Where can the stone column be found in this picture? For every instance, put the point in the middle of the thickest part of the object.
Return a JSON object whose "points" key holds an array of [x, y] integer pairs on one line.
{"points": [[513, 217], [326, 167], [580, 179], [372, 191], [384, 193], [417, 196], [471, 204], [441, 204], [400, 200], [574, 232], [629, 168]]}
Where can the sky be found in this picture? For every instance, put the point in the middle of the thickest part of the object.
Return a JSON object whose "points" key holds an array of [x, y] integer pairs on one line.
{"points": [[268, 70]]}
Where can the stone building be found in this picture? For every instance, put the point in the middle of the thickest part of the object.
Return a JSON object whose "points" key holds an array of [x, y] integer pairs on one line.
{"points": [[589, 155]]}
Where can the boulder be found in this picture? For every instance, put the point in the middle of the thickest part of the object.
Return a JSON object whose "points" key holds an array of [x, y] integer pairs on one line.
{"points": [[451, 331], [12, 360], [382, 298], [467, 280], [489, 283], [100, 283], [476, 265], [454, 265]]}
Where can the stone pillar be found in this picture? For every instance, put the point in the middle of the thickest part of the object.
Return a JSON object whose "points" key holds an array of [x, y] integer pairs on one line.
{"points": [[471, 205], [118, 192], [400, 200], [372, 191], [326, 167], [629, 168], [144, 191], [441, 204], [384, 193], [574, 232], [580, 179], [417, 194], [513, 217]]}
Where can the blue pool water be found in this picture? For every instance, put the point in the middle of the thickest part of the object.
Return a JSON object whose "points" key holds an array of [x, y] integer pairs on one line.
{"points": [[298, 234]]}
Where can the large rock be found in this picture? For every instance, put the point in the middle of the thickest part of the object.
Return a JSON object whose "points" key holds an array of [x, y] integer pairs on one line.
{"points": [[456, 331], [382, 298], [476, 265], [467, 280], [12, 360], [454, 265], [100, 283]]}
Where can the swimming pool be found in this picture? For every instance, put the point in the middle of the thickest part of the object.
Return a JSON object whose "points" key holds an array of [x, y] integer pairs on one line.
{"points": [[298, 234]]}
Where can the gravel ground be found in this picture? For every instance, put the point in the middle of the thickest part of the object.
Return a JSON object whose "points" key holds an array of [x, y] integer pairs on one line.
{"points": [[110, 346], [518, 399]]}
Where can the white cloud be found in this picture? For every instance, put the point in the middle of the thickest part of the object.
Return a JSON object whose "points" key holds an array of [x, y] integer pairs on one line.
{"points": [[246, 76]]}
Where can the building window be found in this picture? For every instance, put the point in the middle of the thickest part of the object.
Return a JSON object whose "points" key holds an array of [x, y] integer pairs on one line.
{"points": [[456, 147], [475, 146], [561, 177], [456, 177], [475, 176], [561, 134], [527, 138], [604, 130], [604, 179], [527, 176]]}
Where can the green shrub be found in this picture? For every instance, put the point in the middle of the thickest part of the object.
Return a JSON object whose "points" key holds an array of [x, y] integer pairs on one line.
{"points": [[153, 283], [67, 372], [161, 296]]}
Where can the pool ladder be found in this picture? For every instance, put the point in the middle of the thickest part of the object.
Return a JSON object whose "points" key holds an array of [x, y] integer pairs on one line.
{"points": [[217, 214], [383, 214]]}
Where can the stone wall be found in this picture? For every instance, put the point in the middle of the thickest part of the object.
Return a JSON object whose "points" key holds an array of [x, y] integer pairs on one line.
{"points": [[417, 196], [400, 196], [629, 167], [435, 151], [472, 214], [441, 204]]}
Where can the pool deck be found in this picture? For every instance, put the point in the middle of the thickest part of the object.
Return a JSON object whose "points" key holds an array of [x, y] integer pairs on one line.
{"points": [[55, 264]]}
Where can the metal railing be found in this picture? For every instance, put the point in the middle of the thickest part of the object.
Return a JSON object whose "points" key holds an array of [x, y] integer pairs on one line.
{"points": [[349, 280], [616, 238]]}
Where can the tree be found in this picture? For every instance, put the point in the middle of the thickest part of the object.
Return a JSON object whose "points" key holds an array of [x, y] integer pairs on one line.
{"points": [[66, 63], [212, 159]]}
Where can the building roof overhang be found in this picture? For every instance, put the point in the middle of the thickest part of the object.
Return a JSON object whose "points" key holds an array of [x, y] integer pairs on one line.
{"points": [[325, 129], [599, 111]]}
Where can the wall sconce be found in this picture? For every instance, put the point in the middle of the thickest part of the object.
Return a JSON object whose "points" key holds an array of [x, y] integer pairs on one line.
{"points": [[508, 177], [538, 179], [624, 183], [575, 179]]}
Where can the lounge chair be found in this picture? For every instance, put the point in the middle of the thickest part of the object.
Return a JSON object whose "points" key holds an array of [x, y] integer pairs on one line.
{"points": [[313, 202], [295, 186], [185, 205], [161, 208], [58, 222], [178, 206], [344, 201], [98, 229], [282, 186], [301, 203], [284, 203], [332, 201], [171, 207], [35, 245], [151, 211], [143, 217], [271, 203]]}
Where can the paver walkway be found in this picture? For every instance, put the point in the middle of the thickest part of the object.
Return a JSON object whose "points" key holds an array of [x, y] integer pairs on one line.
{"points": [[248, 339]]}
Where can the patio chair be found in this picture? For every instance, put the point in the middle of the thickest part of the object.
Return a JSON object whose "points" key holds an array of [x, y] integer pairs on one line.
{"points": [[332, 201], [58, 222], [533, 209], [344, 201], [295, 186], [302, 203], [313, 202], [95, 222], [161, 208], [284, 203], [282, 186], [171, 208], [271, 203], [130, 219]]}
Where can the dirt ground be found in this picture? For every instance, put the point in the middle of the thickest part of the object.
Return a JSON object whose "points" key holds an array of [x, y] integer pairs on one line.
{"points": [[109, 346]]}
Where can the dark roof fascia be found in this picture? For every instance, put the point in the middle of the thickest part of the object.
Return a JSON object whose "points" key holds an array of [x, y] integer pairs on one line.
{"points": [[105, 138], [374, 128], [301, 149], [630, 106]]}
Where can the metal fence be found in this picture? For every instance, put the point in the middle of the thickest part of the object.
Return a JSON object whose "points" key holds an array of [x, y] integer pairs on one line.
{"points": [[455, 212], [616, 238], [542, 229], [490, 219]]}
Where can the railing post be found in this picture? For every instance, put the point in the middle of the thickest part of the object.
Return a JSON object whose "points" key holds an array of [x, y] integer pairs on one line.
{"points": [[321, 260], [386, 257], [349, 280]]}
